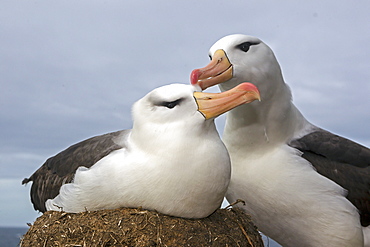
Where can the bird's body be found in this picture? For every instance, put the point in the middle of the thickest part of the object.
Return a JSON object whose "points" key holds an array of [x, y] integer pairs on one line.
{"points": [[161, 164], [177, 184], [292, 175], [288, 200]]}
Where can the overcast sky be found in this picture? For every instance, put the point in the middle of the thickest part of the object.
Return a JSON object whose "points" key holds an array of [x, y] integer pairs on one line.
{"points": [[72, 69]]}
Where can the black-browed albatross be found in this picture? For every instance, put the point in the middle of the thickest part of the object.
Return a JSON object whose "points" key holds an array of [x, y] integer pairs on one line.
{"points": [[303, 186], [172, 160]]}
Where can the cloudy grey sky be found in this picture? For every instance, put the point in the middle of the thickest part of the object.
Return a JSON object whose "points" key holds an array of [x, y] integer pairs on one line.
{"points": [[72, 69]]}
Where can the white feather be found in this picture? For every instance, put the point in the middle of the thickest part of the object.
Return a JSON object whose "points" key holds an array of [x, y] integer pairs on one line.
{"points": [[174, 162], [287, 199]]}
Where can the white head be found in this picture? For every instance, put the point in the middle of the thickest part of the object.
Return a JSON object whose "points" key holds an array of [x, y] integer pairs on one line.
{"points": [[168, 105], [177, 112], [251, 60]]}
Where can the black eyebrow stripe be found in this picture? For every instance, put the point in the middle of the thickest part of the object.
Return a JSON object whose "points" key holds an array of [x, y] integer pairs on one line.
{"points": [[166, 103], [249, 42]]}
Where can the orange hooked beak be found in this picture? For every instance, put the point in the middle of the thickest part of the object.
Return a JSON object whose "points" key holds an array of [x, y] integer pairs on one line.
{"points": [[212, 105], [218, 70]]}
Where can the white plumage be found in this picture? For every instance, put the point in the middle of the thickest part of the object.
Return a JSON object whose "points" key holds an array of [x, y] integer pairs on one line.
{"points": [[172, 160], [164, 165], [272, 169]]}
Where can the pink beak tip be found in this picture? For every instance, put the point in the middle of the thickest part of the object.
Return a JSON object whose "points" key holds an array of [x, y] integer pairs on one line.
{"points": [[247, 86], [194, 76]]}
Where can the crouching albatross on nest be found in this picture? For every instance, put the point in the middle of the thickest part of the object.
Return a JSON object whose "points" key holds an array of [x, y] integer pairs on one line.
{"points": [[303, 185], [172, 160]]}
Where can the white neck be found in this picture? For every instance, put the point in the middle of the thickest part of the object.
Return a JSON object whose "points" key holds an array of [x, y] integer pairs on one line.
{"points": [[273, 120]]}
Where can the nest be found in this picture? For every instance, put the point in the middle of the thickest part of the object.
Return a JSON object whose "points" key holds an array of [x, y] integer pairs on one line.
{"points": [[139, 227]]}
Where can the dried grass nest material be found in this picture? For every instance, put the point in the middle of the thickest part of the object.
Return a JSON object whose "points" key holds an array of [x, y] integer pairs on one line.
{"points": [[139, 227]]}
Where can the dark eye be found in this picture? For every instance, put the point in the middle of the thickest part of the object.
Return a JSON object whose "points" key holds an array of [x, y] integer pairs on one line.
{"points": [[245, 46], [210, 57], [170, 104]]}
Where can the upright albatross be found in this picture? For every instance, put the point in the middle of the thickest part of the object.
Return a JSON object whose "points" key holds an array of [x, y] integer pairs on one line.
{"points": [[172, 160], [303, 185]]}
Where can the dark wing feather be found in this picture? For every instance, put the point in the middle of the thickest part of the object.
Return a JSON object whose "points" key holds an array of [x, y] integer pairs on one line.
{"points": [[345, 162], [60, 169]]}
